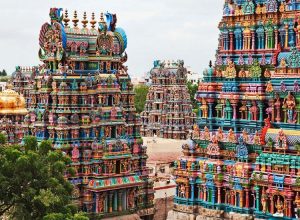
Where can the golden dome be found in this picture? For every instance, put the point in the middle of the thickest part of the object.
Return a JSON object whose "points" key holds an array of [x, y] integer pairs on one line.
{"points": [[12, 103]]}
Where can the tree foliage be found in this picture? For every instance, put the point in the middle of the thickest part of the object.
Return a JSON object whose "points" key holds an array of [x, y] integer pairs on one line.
{"points": [[32, 182], [140, 97], [3, 73], [192, 88]]}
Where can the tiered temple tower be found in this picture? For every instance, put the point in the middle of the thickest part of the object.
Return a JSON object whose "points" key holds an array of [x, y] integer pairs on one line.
{"points": [[83, 101], [22, 80], [168, 110], [243, 158]]}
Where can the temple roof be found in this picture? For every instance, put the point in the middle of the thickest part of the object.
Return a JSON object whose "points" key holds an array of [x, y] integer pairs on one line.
{"points": [[12, 103]]}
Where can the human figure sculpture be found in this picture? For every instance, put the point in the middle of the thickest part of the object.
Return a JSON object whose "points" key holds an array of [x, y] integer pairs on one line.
{"points": [[297, 203], [220, 135], [206, 133], [282, 86], [290, 103], [296, 86], [281, 141], [256, 139], [230, 71], [279, 206], [264, 199], [243, 110], [245, 136], [196, 132], [204, 108], [231, 136], [254, 110], [269, 87]]}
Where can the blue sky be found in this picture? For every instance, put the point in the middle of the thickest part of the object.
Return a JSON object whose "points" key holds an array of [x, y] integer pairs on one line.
{"points": [[156, 29]]}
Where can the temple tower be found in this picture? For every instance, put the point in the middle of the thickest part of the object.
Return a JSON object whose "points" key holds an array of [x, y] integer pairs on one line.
{"points": [[242, 158], [168, 110], [83, 101]]}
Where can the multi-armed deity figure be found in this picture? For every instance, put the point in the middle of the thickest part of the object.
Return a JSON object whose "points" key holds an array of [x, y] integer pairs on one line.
{"points": [[83, 101]]}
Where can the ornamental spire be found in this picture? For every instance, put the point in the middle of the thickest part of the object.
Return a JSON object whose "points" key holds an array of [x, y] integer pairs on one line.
{"points": [[93, 21], [75, 19], [84, 21], [66, 18]]}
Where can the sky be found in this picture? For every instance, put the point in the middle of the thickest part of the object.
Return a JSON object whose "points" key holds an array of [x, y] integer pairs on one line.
{"points": [[156, 29]]}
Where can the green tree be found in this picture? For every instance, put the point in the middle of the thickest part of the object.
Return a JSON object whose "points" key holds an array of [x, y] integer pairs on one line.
{"points": [[192, 88], [32, 182], [3, 73], [140, 97]]}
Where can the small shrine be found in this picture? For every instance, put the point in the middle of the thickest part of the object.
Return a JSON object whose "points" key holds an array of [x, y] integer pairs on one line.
{"points": [[12, 112], [168, 110]]}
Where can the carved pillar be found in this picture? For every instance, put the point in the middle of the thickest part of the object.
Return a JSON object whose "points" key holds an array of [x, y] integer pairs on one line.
{"points": [[253, 40], [192, 189], [231, 40], [249, 113], [97, 203], [247, 198], [210, 107], [241, 198], [257, 203], [232, 197], [276, 38], [110, 202], [260, 105], [289, 208], [204, 193], [219, 195], [272, 204], [119, 194], [213, 197], [234, 110]]}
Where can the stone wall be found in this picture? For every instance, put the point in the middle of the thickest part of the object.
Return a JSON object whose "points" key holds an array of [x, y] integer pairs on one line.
{"points": [[160, 207]]}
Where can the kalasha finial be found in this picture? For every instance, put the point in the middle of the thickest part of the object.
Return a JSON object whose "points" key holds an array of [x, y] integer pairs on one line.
{"points": [[101, 18], [66, 18], [93, 21], [210, 64], [84, 21], [75, 19]]}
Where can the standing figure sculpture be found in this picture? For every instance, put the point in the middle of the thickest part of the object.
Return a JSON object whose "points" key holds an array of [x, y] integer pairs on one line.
{"points": [[290, 103]]}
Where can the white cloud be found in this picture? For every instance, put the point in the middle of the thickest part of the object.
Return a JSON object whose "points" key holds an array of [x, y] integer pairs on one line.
{"points": [[156, 29]]}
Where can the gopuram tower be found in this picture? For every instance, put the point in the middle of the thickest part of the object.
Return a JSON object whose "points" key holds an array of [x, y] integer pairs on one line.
{"points": [[242, 161], [83, 101], [168, 111]]}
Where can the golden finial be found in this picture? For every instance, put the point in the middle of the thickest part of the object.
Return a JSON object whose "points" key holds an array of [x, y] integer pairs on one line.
{"points": [[93, 21], [66, 18], [84, 21], [75, 19]]}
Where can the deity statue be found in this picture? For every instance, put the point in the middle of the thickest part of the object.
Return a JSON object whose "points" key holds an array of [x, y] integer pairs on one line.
{"points": [[256, 139], [290, 103], [230, 71], [196, 132], [279, 206], [282, 87], [242, 73], [231, 136], [206, 133], [254, 110], [281, 141], [245, 136], [264, 200], [243, 110], [267, 73], [220, 135], [282, 63], [297, 203], [182, 191], [204, 108], [269, 87]]}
